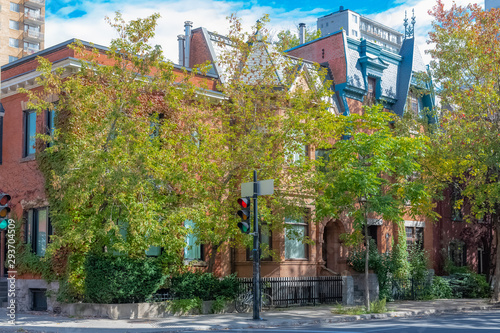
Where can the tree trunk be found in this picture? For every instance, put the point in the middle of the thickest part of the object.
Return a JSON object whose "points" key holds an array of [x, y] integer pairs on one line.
{"points": [[367, 257], [496, 276]]}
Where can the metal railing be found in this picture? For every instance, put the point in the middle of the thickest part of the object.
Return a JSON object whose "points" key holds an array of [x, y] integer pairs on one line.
{"points": [[410, 289], [287, 291]]}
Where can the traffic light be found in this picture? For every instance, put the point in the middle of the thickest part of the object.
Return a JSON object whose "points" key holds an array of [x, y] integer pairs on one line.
{"points": [[244, 213], [4, 210]]}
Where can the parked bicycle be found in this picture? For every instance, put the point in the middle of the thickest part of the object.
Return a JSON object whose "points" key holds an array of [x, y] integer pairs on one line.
{"points": [[244, 302]]}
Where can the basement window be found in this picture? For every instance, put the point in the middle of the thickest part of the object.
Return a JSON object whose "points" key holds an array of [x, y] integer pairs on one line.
{"points": [[38, 299]]}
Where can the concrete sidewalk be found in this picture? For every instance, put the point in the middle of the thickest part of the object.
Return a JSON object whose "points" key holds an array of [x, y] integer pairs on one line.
{"points": [[44, 322]]}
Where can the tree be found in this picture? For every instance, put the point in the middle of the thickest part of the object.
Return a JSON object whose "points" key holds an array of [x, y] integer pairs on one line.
{"points": [[139, 149], [466, 67], [287, 39], [275, 108], [115, 169], [372, 174]]}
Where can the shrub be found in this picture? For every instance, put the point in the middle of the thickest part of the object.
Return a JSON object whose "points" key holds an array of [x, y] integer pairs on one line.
{"points": [[120, 279], [440, 288], [204, 286], [469, 285], [184, 306]]}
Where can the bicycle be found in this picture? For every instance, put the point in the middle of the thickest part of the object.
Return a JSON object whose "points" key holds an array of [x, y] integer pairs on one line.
{"points": [[244, 302]]}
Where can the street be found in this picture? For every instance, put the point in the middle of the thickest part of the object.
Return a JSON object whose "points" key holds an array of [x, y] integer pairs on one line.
{"points": [[485, 321], [464, 322]]}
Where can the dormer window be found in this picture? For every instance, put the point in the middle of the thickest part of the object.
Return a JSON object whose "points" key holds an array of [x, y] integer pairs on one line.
{"points": [[372, 90]]}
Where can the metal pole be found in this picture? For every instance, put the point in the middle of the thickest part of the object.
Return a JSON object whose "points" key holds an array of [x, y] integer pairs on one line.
{"points": [[256, 252]]}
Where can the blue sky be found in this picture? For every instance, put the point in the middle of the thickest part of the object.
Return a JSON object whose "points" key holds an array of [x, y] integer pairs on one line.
{"points": [[84, 19]]}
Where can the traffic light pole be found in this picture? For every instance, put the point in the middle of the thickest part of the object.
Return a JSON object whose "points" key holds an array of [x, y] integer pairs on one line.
{"points": [[256, 252]]}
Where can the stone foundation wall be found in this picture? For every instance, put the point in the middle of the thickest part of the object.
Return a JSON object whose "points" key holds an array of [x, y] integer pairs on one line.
{"points": [[24, 296], [359, 287]]}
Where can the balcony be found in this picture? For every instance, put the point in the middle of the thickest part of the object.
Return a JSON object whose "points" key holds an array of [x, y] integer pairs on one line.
{"points": [[35, 19], [35, 3], [30, 50], [33, 36]]}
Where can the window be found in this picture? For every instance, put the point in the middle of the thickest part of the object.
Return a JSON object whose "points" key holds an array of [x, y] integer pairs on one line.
{"points": [[192, 251], [13, 24], [38, 230], [50, 125], [323, 157], [355, 18], [32, 12], [295, 232], [354, 33], [12, 58], [32, 28], [415, 236], [33, 47], [372, 88], [13, 42], [15, 7], [373, 233], [457, 253], [29, 133], [153, 251]]}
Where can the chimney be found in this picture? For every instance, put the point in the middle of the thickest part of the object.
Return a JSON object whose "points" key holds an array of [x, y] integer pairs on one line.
{"points": [[341, 8], [187, 31], [302, 33], [180, 39]]}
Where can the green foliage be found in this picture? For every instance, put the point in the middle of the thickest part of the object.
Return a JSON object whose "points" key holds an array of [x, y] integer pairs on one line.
{"points": [[466, 145], [120, 279], [204, 286], [219, 304], [375, 307], [469, 285], [185, 306], [400, 255], [287, 39], [379, 306], [440, 288]]}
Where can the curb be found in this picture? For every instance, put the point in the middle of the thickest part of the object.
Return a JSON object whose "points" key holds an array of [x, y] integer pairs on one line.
{"points": [[336, 319]]}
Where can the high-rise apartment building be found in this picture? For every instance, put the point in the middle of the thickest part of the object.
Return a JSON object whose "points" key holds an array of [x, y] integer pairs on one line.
{"points": [[488, 4], [22, 26], [359, 26]]}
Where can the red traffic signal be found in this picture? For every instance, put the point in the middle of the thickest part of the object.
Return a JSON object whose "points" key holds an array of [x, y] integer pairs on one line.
{"points": [[4, 202], [244, 214]]}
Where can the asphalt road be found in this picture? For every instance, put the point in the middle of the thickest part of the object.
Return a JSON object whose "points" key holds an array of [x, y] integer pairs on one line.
{"points": [[467, 322]]}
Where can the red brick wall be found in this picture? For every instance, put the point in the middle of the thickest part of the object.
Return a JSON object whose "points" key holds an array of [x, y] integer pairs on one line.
{"points": [[330, 49], [19, 176], [199, 52]]}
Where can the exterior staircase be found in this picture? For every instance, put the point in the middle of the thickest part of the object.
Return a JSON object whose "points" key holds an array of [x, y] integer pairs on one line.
{"points": [[3, 293]]}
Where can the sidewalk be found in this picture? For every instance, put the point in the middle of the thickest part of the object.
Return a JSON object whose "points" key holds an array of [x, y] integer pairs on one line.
{"points": [[44, 322]]}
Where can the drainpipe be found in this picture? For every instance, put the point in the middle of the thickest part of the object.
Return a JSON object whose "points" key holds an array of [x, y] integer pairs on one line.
{"points": [[302, 33], [180, 40], [187, 31]]}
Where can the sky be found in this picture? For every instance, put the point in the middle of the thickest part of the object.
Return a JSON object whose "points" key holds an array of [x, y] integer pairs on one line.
{"points": [[84, 19]]}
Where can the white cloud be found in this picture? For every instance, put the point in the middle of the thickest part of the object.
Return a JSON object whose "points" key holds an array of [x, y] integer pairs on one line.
{"points": [[394, 18], [210, 14]]}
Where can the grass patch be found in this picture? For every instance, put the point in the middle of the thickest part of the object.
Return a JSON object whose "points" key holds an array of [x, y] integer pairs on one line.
{"points": [[375, 307]]}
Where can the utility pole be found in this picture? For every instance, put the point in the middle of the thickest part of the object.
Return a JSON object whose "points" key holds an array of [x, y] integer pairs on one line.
{"points": [[256, 252]]}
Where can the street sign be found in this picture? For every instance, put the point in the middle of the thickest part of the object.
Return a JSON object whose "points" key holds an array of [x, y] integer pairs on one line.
{"points": [[265, 187]]}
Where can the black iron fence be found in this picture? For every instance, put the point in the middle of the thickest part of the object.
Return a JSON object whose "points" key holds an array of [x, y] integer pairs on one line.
{"points": [[410, 289], [287, 291]]}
